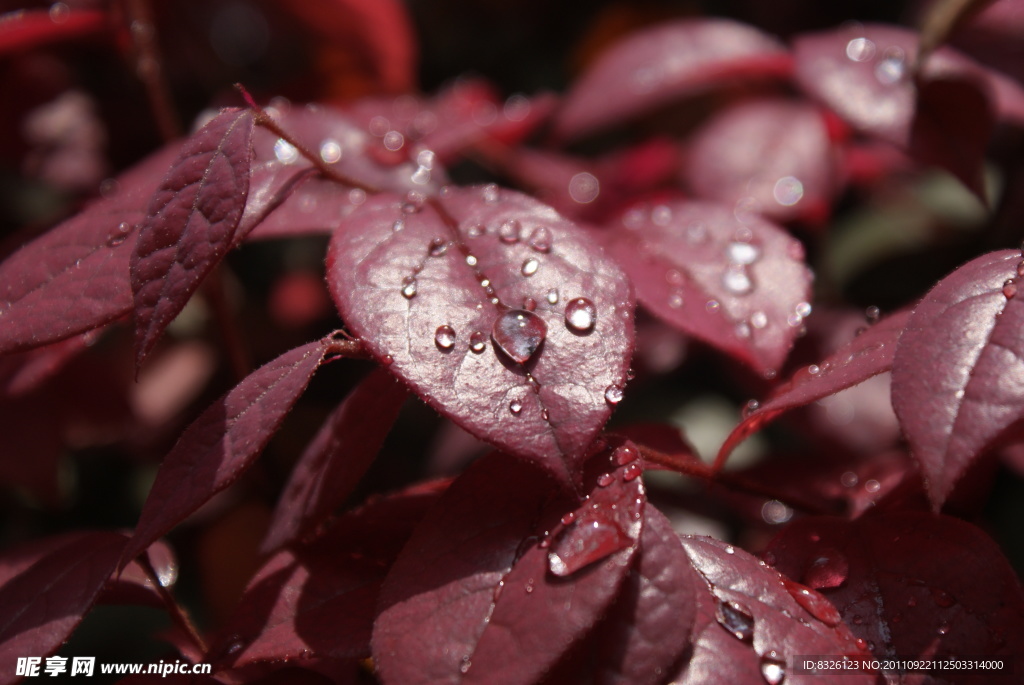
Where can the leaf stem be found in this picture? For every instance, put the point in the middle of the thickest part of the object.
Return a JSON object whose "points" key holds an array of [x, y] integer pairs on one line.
{"points": [[230, 334], [149, 67], [175, 610]]}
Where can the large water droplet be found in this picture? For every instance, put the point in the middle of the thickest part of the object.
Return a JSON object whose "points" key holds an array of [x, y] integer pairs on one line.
{"points": [[540, 239], [773, 668], [586, 541], [736, 281], [519, 334], [828, 569], [444, 337], [580, 315], [736, 619], [632, 472], [613, 394], [742, 253], [813, 602], [409, 287], [508, 231], [529, 267]]}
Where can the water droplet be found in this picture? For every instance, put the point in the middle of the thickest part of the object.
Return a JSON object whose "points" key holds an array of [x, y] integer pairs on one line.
{"points": [[661, 215], [399, 225], [357, 196], [580, 315], [587, 540], [393, 141], [529, 304], [613, 394], [750, 407], [508, 231], [696, 233], [803, 310], [773, 668], [849, 479], [742, 253], [552, 296], [476, 230], [675, 300], [943, 629], [872, 314], [519, 334], [529, 267], [736, 281], [471, 260], [862, 644], [438, 246], [872, 486], [465, 665], [712, 306], [860, 49], [828, 569], [775, 512], [235, 645], [413, 202], [568, 518], [788, 191], [387, 360], [444, 337], [477, 342], [632, 472], [540, 239], [736, 619], [625, 455], [491, 193], [584, 188], [379, 125], [890, 69], [515, 406], [943, 598], [285, 152], [119, 234], [529, 586], [409, 287], [1009, 288], [605, 479], [59, 12], [330, 151], [742, 330], [759, 320], [813, 602]]}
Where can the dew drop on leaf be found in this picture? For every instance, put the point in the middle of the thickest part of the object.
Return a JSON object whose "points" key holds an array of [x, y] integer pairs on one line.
{"points": [[508, 231], [736, 281], [773, 668], [828, 569], [529, 267], [516, 407], [399, 225], [860, 50], [579, 546], [814, 603], [605, 479], [1010, 288], [580, 315], [477, 342], [632, 472], [552, 296], [444, 337], [438, 246], [519, 334], [625, 455], [491, 193], [119, 234], [540, 239], [736, 619], [409, 287], [613, 394], [742, 253]]}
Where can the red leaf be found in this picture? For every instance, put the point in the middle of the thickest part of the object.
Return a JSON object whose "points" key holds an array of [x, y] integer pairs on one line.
{"points": [[190, 223], [403, 282], [75, 277], [958, 369], [337, 458], [42, 604], [135, 585], [752, 624], [867, 355], [665, 63], [29, 29], [733, 280], [774, 155], [472, 597], [881, 573], [222, 443]]}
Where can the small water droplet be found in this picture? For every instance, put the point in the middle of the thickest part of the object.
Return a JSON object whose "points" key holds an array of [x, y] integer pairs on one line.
{"points": [[758, 320], [508, 231], [568, 518], [529, 267], [860, 49], [750, 407], [393, 141], [413, 202], [516, 407], [729, 549], [235, 645], [491, 193], [1010, 288], [584, 188], [736, 281], [742, 330], [552, 296], [519, 333], [357, 196], [891, 68], [675, 300], [803, 310], [632, 472], [529, 586], [399, 225], [828, 569], [775, 512], [605, 479], [712, 305], [477, 342], [119, 234], [580, 315], [476, 230], [872, 313], [696, 233], [409, 287], [285, 152], [788, 191], [387, 360], [540, 239], [773, 668], [471, 260], [943, 629], [444, 337], [625, 455], [438, 246], [862, 644], [661, 215], [813, 602], [330, 151], [849, 479], [613, 394], [872, 486], [736, 619], [465, 665], [742, 253], [379, 125]]}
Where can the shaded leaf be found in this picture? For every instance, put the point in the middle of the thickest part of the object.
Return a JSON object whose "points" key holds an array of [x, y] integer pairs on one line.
{"points": [[413, 288], [471, 597], [222, 443], [750, 624], [880, 571], [190, 223], [867, 355], [665, 63], [337, 458], [774, 155], [731, 279], [45, 601], [959, 368]]}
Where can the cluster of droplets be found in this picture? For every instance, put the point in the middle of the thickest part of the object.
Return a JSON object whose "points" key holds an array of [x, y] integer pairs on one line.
{"points": [[1011, 285], [889, 64], [740, 255]]}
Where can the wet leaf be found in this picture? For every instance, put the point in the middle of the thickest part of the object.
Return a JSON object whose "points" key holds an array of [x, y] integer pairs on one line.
{"points": [[732, 279], [774, 155], [958, 369], [337, 458], [190, 223], [750, 623], [865, 356], [653, 67], [880, 571], [471, 598], [421, 295], [223, 442], [46, 599]]}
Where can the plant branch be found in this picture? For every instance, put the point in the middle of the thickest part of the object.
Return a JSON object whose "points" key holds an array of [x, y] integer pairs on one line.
{"points": [[149, 67]]}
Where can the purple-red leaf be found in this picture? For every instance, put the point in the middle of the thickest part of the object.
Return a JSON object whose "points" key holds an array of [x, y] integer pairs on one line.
{"points": [[190, 223], [881, 573], [753, 623], [661, 64], [337, 458], [75, 277], [446, 309], [44, 601], [864, 357], [774, 155], [473, 596], [729, 278], [958, 373], [223, 441]]}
